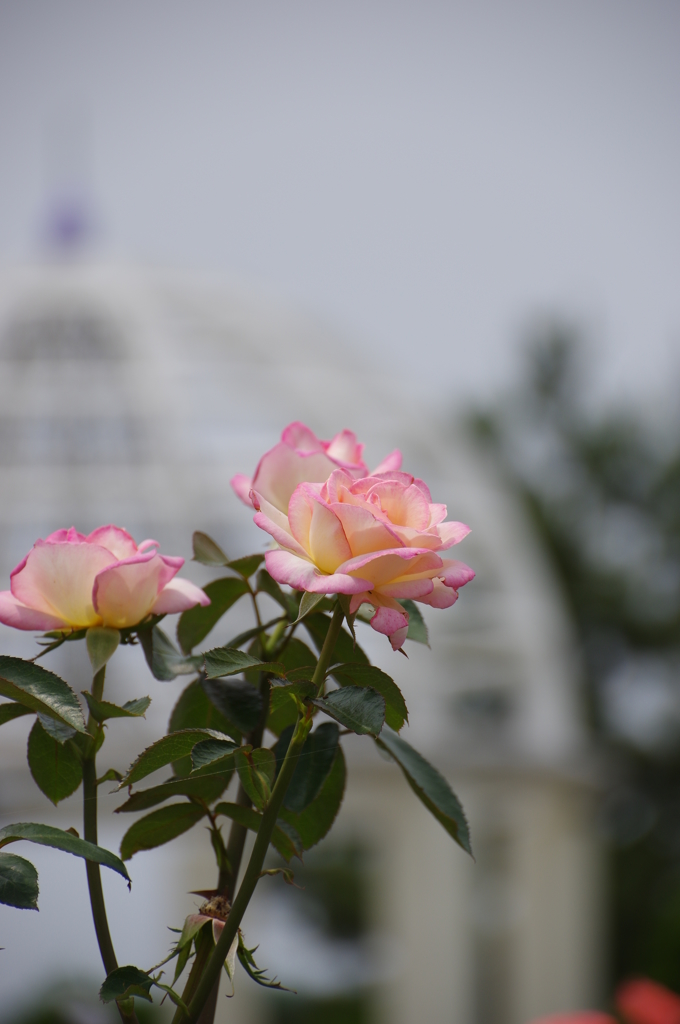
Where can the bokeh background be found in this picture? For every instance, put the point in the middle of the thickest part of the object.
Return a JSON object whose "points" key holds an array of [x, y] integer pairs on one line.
{"points": [[455, 224]]}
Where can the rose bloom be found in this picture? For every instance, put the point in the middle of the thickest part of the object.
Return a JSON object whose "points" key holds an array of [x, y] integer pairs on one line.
{"points": [[373, 536], [300, 457], [643, 1001], [69, 581]]}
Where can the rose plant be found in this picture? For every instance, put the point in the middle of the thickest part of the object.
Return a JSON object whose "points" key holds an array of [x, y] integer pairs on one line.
{"points": [[265, 713]]}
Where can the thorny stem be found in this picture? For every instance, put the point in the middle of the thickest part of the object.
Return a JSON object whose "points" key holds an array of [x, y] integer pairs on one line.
{"points": [[211, 973], [94, 880]]}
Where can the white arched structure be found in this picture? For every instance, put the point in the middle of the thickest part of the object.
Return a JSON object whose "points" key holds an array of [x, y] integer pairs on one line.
{"points": [[133, 396]]}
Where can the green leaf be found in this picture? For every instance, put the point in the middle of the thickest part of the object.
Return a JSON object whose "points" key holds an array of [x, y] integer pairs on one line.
{"points": [[247, 566], [429, 786], [266, 585], [245, 955], [56, 768], [12, 710], [359, 708], [46, 835], [164, 751], [256, 770], [314, 763], [207, 788], [396, 712], [160, 827], [57, 730], [18, 882], [308, 603], [207, 551], [210, 752], [111, 775], [251, 819], [125, 982], [229, 661], [284, 706], [102, 644], [193, 710], [195, 624], [101, 710], [417, 630], [297, 654], [345, 649], [40, 690], [162, 656], [243, 638], [237, 700], [315, 821]]}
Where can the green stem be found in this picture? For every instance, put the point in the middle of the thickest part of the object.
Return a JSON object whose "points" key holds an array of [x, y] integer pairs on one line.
{"points": [[263, 837], [94, 880]]}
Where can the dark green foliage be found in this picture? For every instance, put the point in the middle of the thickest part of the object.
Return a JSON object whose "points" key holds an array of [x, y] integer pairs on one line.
{"points": [[207, 788], [245, 567], [125, 982], [396, 712], [287, 844], [101, 710], [166, 750], [46, 835], [195, 624], [163, 658], [314, 822], [229, 661], [207, 551], [18, 882], [345, 649], [256, 771], [194, 710], [12, 710], [237, 700], [56, 767], [213, 754], [34, 687], [359, 708], [314, 764], [160, 827], [429, 786]]}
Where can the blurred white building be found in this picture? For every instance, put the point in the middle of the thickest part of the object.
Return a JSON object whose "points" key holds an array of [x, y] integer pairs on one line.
{"points": [[132, 397]]}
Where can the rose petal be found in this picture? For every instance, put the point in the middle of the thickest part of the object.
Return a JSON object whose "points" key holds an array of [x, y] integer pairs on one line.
{"points": [[452, 533], [414, 590], [14, 613], [365, 533], [114, 539], [242, 485], [177, 596], [300, 574], [456, 574], [282, 469], [393, 565], [125, 593], [390, 463], [441, 596], [57, 578]]}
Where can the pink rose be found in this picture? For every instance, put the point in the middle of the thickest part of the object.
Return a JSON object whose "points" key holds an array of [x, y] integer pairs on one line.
{"points": [[70, 581], [375, 537], [301, 457]]}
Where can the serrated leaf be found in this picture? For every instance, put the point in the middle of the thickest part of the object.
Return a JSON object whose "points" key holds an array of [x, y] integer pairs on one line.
{"points": [[163, 658], [125, 982], [359, 708], [314, 763], [12, 710], [266, 585], [207, 551], [36, 688], [207, 788], [429, 786], [102, 644], [245, 956], [247, 566], [283, 704], [315, 821], [345, 649], [193, 710], [164, 751], [417, 630], [160, 827], [57, 730], [46, 835], [101, 710], [396, 712], [229, 661], [237, 700], [18, 882], [195, 624], [251, 819], [56, 767], [256, 770], [213, 752]]}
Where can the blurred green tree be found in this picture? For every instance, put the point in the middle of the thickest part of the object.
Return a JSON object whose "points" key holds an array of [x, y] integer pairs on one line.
{"points": [[603, 489]]}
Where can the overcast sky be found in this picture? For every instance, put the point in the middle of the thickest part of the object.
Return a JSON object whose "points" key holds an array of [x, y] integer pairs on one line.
{"points": [[427, 176]]}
